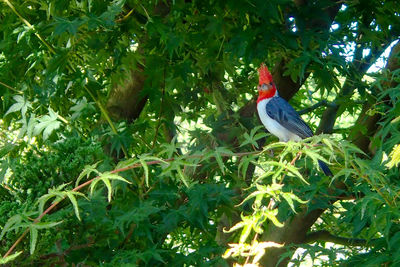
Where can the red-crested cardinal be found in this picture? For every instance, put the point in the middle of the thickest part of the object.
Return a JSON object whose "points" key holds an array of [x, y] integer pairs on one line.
{"points": [[278, 116]]}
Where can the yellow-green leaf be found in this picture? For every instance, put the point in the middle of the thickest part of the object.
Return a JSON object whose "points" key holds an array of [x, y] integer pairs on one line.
{"points": [[395, 157]]}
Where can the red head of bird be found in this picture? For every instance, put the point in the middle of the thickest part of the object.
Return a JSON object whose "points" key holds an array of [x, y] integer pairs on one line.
{"points": [[266, 86]]}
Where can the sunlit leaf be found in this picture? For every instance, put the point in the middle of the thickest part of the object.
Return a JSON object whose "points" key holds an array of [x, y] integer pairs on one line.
{"points": [[10, 258], [395, 157]]}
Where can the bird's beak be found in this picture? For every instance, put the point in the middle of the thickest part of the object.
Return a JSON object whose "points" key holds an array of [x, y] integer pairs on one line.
{"points": [[265, 87]]}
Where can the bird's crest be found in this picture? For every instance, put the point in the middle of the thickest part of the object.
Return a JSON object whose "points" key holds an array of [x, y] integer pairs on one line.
{"points": [[264, 75]]}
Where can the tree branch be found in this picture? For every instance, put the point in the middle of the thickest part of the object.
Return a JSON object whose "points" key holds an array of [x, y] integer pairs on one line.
{"points": [[61, 253], [315, 106], [361, 137], [127, 99], [325, 236], [360, 66], [286, 86]]}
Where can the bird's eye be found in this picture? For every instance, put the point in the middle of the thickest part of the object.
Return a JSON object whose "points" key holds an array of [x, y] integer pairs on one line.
{"points": [[265, 86]]}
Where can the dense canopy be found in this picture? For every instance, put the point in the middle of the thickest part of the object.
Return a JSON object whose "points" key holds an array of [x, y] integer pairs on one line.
{"points": [[130, 135]]}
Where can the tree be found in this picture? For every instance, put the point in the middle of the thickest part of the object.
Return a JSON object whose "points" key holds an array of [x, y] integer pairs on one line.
{"points": [[130, 134]]}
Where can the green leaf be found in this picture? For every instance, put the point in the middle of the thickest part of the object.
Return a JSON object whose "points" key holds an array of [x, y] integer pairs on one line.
{"points": [[293, 170], [42, 201], [72, 198], [289, 197], [253, 137], [182, 176], [47, 124], [114, 176], [327, 142], [314, 156], [80, 107], [44, 225], [252, 195], [146, 171], [105, 178], [14, 220], [244, 165], [63, 25], [271, 215], [33, 238], [289, 200], [126, 163], [87, 171], [93, 184], [21, 105], [6, 148], [15, 107], [109, 187], [220, 162]]}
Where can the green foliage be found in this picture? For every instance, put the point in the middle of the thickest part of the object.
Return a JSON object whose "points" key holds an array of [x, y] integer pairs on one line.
{"points": [[60, 195], [132, 125], [38, 170]]}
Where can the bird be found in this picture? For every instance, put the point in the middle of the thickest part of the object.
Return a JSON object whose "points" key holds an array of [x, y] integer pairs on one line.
{"points": [[278, 116]]}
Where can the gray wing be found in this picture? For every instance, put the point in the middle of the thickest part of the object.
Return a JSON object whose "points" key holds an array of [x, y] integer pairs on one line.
{"points": [[281, 111]]}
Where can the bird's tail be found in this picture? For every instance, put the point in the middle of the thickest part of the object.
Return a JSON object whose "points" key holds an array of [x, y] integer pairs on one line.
{"points": [[325, 168]]}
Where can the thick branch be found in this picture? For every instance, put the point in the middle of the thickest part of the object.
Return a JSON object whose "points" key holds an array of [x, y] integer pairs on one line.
{"points": [[360, 67], [361, 136], [294, 232], [286, 86], [325, 236], [126, 99], [295, 229]]}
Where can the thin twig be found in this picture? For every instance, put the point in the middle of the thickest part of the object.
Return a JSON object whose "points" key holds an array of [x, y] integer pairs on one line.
{"points": [[220, 48], [271, 201], [30, 26], [370, 182], [291, 163], [248, 257], [125, 17], [315, 106], [11, 88], [128, 236], [61, 253]]}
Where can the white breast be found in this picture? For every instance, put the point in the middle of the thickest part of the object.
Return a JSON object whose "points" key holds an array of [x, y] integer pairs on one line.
{"points": [[273, 126]]}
